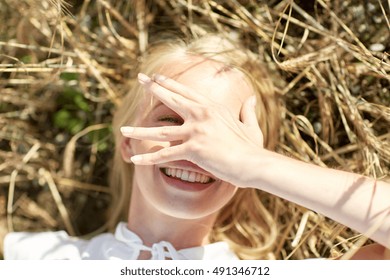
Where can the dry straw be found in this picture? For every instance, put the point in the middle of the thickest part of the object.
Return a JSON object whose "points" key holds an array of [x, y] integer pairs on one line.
{"points": [[331, 65]]}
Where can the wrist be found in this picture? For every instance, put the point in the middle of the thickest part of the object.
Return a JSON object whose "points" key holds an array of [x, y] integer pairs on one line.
{"points": [[250, 166]]}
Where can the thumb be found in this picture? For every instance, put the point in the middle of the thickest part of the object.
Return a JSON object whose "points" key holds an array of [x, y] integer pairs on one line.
{"points": [[248, 114], [249, 118]]}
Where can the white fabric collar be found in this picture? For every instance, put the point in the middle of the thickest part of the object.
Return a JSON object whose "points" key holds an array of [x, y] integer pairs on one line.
{"points": [[123, 245], [164, 249]]}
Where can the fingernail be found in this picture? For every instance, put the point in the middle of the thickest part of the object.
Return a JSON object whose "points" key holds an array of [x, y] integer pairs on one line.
{"points": [[136, 159], [143, 79], [127, 129], [159, 78]]}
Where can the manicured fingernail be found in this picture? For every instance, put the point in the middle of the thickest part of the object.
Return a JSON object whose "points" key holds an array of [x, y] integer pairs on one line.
{"points": [[136, 159], [143, 79], [159, 78], [127, 129]]}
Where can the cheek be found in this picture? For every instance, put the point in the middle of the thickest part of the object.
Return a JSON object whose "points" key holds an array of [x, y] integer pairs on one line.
{"points": [[224, 194], [230, 192]]}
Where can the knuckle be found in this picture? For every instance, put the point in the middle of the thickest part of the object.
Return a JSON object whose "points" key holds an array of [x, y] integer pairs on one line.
{"points": [[202, 112], [165, 131], [199, 130], [164, 153], [207, 113], [194, 148], [176, 100], [152, 87], [188, 92]]}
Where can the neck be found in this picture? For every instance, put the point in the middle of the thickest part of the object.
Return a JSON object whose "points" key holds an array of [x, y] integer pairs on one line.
{"points": [[154, 226]]}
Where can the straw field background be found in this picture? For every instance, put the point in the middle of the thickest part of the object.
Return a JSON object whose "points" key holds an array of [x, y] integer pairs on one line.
{"points": [[64, 67]]}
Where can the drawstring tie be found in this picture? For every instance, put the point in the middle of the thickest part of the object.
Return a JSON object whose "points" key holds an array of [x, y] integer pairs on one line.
{"points": [[159, 251], [163, 250]]}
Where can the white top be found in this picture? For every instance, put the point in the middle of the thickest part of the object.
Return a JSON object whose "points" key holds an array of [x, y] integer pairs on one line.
{"points": [[123, 245]]}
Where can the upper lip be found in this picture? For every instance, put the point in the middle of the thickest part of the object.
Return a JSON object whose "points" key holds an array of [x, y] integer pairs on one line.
{"points": [[186, 165]]}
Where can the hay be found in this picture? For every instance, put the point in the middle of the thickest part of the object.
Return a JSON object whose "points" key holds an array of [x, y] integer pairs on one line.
{"points": [[64, 68]]}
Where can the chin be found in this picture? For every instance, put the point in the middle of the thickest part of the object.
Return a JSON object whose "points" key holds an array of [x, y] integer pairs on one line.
{"points": [[183, 195]]}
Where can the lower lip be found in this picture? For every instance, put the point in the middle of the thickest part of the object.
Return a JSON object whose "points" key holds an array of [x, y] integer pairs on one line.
{"points": [[183, 185]]}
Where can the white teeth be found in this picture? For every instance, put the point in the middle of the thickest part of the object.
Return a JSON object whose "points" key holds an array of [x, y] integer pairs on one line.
{"points": [[186, 175], [198, 176], [192, 177]]}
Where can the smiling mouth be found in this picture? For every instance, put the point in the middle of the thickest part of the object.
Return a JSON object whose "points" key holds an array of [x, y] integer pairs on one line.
{"points": [[187, 176]]}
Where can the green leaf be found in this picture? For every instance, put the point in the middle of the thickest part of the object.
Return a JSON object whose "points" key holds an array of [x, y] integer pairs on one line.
{"points": [[75, 125], [68, 76], [26, 59], [102, 146], [61, 118], [70, 92], [79, 100]]}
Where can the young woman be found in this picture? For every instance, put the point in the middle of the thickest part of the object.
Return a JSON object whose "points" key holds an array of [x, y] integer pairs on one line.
{"points": [[193, 133]]}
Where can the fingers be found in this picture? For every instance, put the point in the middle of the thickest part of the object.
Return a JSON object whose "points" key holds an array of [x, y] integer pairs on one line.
{"points": [[178, 88], [165, 133], [178, 103], [164, 155]]}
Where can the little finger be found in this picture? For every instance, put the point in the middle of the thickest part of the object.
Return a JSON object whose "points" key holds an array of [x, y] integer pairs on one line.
{"points": [[164, 155]]}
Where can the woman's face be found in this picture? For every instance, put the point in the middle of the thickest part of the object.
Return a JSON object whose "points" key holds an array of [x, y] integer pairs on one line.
{"points": [[181, 189]]}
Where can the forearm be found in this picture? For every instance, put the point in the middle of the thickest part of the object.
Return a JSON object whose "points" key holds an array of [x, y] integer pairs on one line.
{"points": [[356, 201]]}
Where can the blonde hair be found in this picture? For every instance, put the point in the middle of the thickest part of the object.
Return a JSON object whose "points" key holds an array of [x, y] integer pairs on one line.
{"points": [[244, 222]]}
